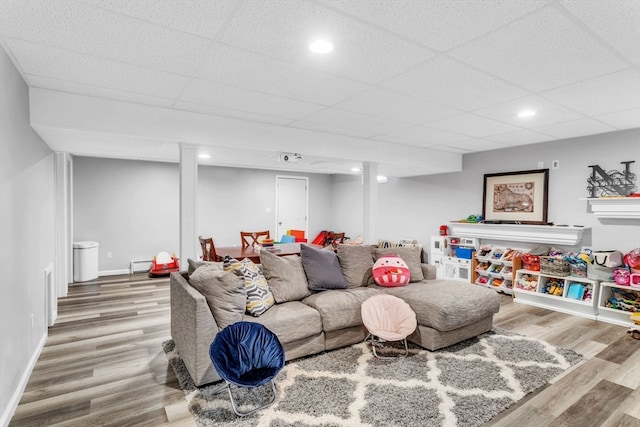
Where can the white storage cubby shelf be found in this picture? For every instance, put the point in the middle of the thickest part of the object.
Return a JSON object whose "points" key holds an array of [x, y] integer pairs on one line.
{"points": [[616, 302], [494, 269], [567, 294]]}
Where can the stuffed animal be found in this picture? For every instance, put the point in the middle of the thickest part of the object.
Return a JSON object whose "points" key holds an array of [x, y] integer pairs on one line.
{"points": [[391, 271]]}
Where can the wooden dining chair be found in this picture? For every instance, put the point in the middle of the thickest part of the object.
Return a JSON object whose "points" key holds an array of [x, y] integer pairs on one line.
{"points": [[250, 238], [208, 249], [334, 239]]}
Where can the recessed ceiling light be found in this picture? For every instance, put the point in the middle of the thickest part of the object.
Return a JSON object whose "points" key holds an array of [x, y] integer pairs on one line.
{"points": [[526, 113], [321, 46], [355, 169], [382, 179], [204, 156]]}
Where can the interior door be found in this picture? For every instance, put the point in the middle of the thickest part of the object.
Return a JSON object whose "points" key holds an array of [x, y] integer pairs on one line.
{"points": [[291, 204]]}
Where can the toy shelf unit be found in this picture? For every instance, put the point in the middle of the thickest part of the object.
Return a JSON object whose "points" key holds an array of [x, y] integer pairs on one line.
{"points": [[453, 257], [567, 294], [494, 268], [617, 303]]}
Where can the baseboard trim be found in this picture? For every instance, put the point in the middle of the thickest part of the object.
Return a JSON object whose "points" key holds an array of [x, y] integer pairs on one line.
{"points": [[113, 272], [6, 416]]}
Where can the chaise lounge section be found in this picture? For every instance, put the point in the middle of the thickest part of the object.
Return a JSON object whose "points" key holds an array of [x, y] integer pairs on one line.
{"points": [[311, 321]]}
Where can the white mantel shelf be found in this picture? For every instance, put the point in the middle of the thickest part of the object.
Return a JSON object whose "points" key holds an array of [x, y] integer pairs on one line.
{"points": [[548, 234], [615, 207]]}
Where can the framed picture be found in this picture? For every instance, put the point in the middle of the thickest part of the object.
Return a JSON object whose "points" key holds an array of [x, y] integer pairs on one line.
{"points": [[516, 197]]}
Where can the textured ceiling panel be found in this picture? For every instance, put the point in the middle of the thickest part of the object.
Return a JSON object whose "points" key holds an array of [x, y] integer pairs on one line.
{"points": [[528, 52], [575, 128], [472, 125], [547, 112]]}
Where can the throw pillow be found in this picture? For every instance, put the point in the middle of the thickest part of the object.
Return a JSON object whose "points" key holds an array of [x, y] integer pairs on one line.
{"points": [[356, 263], [225, 294], [410, 255], [390, 271], [322, 269], [232, 264], [259, 296], [285, 276]]}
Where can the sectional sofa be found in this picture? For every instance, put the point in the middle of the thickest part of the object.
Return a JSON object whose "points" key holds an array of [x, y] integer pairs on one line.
{"points": [[310, 313]]}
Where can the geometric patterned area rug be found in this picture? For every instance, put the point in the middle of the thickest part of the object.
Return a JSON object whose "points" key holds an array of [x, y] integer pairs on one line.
{"points": [[463, 385]]}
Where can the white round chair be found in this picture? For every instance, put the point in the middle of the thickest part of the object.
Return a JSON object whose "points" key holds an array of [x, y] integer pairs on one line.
{"points": [[388, 319]]}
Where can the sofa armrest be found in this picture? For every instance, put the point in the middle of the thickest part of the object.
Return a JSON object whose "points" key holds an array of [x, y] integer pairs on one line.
{"points": [[429, 271], [193, 329]]}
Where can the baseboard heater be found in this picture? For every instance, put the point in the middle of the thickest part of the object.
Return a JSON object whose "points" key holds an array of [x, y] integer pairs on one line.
{"points": [[140, 266]]}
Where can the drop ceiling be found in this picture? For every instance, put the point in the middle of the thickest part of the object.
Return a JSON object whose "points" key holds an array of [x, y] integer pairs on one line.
{"points": [[410, 85]]}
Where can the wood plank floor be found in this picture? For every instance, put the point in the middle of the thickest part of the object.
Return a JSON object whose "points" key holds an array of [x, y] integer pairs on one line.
{"points": [[103, 365]]}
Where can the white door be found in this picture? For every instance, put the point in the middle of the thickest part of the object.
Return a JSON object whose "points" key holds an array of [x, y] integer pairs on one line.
{"points": [[291, 205]]}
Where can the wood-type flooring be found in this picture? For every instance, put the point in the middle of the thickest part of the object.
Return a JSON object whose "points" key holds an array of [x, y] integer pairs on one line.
{"points": [[103, 365]]}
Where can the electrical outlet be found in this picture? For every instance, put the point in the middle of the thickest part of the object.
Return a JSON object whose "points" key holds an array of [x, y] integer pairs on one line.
{"points": [[109, 255], [555, 164], [540, 165]]}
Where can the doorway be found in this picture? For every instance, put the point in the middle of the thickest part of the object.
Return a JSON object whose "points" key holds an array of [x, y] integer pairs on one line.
{"points": [[292, 204]]}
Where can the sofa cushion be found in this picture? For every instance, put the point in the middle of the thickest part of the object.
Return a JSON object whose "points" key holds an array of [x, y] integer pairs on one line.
{"points": [[224, 291], [446, 305], [322, 268], [356, 262], [290, 321], [340, 308], [285, 276], [194, 264], [259, 296], [410, 255]]}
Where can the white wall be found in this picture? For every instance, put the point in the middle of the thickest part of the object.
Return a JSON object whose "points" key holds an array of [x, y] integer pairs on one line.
{"points": [[131, 207], [416, 207], [28, 235]]}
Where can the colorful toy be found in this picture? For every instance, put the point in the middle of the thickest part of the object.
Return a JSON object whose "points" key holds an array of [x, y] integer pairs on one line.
{"points": [[163, 264], [622, 276], [391, 271], [528, 282]]}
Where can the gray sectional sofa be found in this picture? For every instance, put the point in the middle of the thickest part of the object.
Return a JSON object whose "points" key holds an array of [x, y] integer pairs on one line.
{"points": [[311, 321]]}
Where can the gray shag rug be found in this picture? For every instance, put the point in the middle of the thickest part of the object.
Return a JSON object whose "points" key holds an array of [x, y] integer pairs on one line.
{"points": [[463, 385]]}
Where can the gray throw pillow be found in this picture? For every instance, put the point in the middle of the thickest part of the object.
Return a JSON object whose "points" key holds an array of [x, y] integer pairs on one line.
{"points": [[322, 269], [285, 276], [356, 262], [410, 255], [224, 291]]}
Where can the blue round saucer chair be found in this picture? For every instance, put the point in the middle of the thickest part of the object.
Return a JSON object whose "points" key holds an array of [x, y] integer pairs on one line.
{"points": [[247, 354]]}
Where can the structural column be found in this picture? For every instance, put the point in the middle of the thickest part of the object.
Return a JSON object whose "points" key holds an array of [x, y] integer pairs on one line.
{"points": [[63, 219], [370, 198], [188, 202]]}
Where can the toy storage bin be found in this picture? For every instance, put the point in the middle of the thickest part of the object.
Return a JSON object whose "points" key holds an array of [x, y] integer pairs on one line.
{"points": [[554, 266], [530, 262], [578, 269], [528, 282], [463, 252]]}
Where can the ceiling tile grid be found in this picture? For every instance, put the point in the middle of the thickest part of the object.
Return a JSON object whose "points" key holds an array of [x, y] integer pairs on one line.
{"points": [[447, 76]]}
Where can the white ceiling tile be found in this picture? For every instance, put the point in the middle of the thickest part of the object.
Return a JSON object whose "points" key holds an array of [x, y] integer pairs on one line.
{"points": [[318, 127], [422, 136], [89, 70], [547, 112], [448, 82], [387, 104], [478, 145], [472, 125], [521, 137], [201, 17], [616, 21], [228, 65], [544, 50], [342, 119], [229, 97], [100, 92], [627, 119], [435, 23], [614, 92], [232, 114], [575, 128], [284, 29]]}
